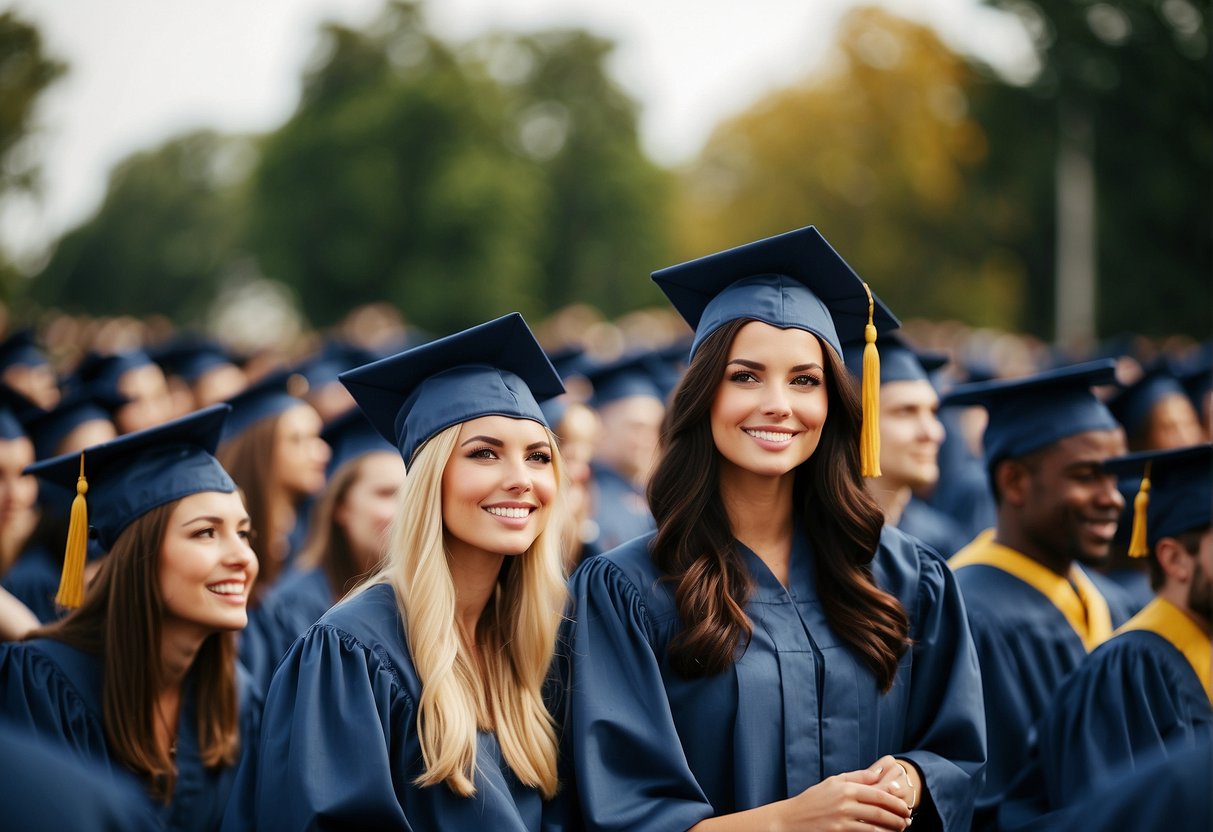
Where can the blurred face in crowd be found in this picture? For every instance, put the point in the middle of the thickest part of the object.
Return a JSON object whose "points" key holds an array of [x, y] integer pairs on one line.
{"points": [[36, 383], [631, 428], [497, 487], [910, 434], [1200, 592], [771, 404], [1173, 423], [218, 384], [300, 455], [1068, 506], [579, 432], [149, 403], [207, 566], [86, 435], [18, 491], [366, 511]]}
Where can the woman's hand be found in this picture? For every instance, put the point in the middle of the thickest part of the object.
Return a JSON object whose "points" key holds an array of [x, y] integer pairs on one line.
{"points": [[853, 800], [900, 778]]}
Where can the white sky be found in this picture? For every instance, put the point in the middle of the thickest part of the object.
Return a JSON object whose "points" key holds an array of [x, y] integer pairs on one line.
{"points": [[144, 70]]}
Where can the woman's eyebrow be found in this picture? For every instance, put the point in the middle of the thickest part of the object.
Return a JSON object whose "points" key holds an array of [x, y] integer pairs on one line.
{"points": [[496, 443]]}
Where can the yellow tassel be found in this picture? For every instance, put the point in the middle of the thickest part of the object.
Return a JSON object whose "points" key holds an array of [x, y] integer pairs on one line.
{"points": [[71, 583], [1138, 548], [869, 437]]}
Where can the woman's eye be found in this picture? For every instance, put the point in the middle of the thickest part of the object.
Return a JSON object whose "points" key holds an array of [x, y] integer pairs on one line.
{"points": [[209, 533], [540, 457], [245, 534], [482, 453], [807, 381], [742, 376]]}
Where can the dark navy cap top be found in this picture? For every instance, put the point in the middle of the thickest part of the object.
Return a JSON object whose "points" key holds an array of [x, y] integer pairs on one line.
{"points": [[81, 405], [494, 369], [15, 412], [350, 436], [334, 358], [268, 397], [571, 361], [795, 280], [1181, 488], [898, 360], [130, 476], [1196, 376], [1030, 413], [630, 375], [21, 350], [189, 357], [1131, 406], [102, 372]]}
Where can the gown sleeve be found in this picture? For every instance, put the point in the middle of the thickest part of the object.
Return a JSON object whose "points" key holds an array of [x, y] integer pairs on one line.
{"points": [[37, 695], [334, 721], [945, 729], [630, 772]]}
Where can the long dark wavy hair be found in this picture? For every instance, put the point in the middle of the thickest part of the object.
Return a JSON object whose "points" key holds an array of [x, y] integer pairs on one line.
{"points": [[694, 547], [120, 621]]}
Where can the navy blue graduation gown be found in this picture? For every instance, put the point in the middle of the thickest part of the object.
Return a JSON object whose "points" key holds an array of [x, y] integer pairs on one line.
{"points": [[289, 607], [651, 750], [620, 509], [1135, 697], [1027, 648], [44, 786], [34, 581], [339, 747], [932, 527], [55, 690]]}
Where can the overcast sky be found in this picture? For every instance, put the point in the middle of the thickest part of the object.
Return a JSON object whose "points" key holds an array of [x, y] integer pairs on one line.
{"points": [[144, 70]]}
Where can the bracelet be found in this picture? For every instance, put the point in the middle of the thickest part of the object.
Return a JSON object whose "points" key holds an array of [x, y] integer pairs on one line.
{"points": [[906, 774]]}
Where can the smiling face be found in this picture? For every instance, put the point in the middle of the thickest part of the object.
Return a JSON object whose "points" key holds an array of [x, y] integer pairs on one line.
{"points": [[498, 486], [771, 403], [910, 433], [207, 567], [300, 455]]}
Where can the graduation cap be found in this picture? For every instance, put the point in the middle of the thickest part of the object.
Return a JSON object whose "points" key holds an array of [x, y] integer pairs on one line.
{"points": [[1032, 412], [1132, 404], [268, 397], [15, 411], [128, 477], [350, 436], [898, 360], [103, 372], [49, 428], [21, 350], [494, 369], [189, 357], [630, 375], [1196, 376], [1175, 496], [793, 280], [334, 358]]}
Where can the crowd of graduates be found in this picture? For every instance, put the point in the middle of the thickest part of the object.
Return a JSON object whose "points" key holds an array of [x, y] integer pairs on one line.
{"points": [[801, 568]]}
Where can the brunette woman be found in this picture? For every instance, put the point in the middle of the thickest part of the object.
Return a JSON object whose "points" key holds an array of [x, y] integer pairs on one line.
{"points": [[416, 703], [771, 657], [346, 542], [272, 447], [143, 676]]}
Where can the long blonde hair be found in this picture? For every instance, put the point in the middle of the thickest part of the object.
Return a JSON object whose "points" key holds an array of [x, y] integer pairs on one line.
{"points": [[502, 689]]}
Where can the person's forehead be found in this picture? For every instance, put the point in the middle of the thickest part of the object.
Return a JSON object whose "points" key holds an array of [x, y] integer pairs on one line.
{"points": [[901, 393], [1092, 445]]}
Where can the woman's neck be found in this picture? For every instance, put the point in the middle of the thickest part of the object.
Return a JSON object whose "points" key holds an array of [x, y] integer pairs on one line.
{"points": [[759, 509], [179, 646], [474, 573]]}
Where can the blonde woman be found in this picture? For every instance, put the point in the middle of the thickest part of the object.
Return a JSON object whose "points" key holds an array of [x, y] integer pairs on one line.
{"points": [[417, 702]]}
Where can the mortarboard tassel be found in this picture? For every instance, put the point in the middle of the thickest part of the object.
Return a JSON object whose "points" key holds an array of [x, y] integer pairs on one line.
{"points": [[869, 437], [1138, 548], [71, 583]]}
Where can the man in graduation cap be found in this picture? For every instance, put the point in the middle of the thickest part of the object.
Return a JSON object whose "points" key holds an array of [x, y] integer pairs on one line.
{"points": [[910, 438], [1034, 611], [1148, 691]]}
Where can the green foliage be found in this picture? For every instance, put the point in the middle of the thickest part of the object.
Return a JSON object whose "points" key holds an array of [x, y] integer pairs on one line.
{"points": [[168, 230], [25, 72], [880, 151], [455, 188], [1138, 69]]}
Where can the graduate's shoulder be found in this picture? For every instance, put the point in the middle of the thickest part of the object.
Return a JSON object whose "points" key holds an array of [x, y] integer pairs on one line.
{"points": [[906, 566], [627, 574]]}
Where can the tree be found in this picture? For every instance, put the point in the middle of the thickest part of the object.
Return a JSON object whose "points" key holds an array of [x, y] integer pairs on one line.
{"points": [[166, 234], [878, 149], [1137, 72], [25, 73], [437, 178]]}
